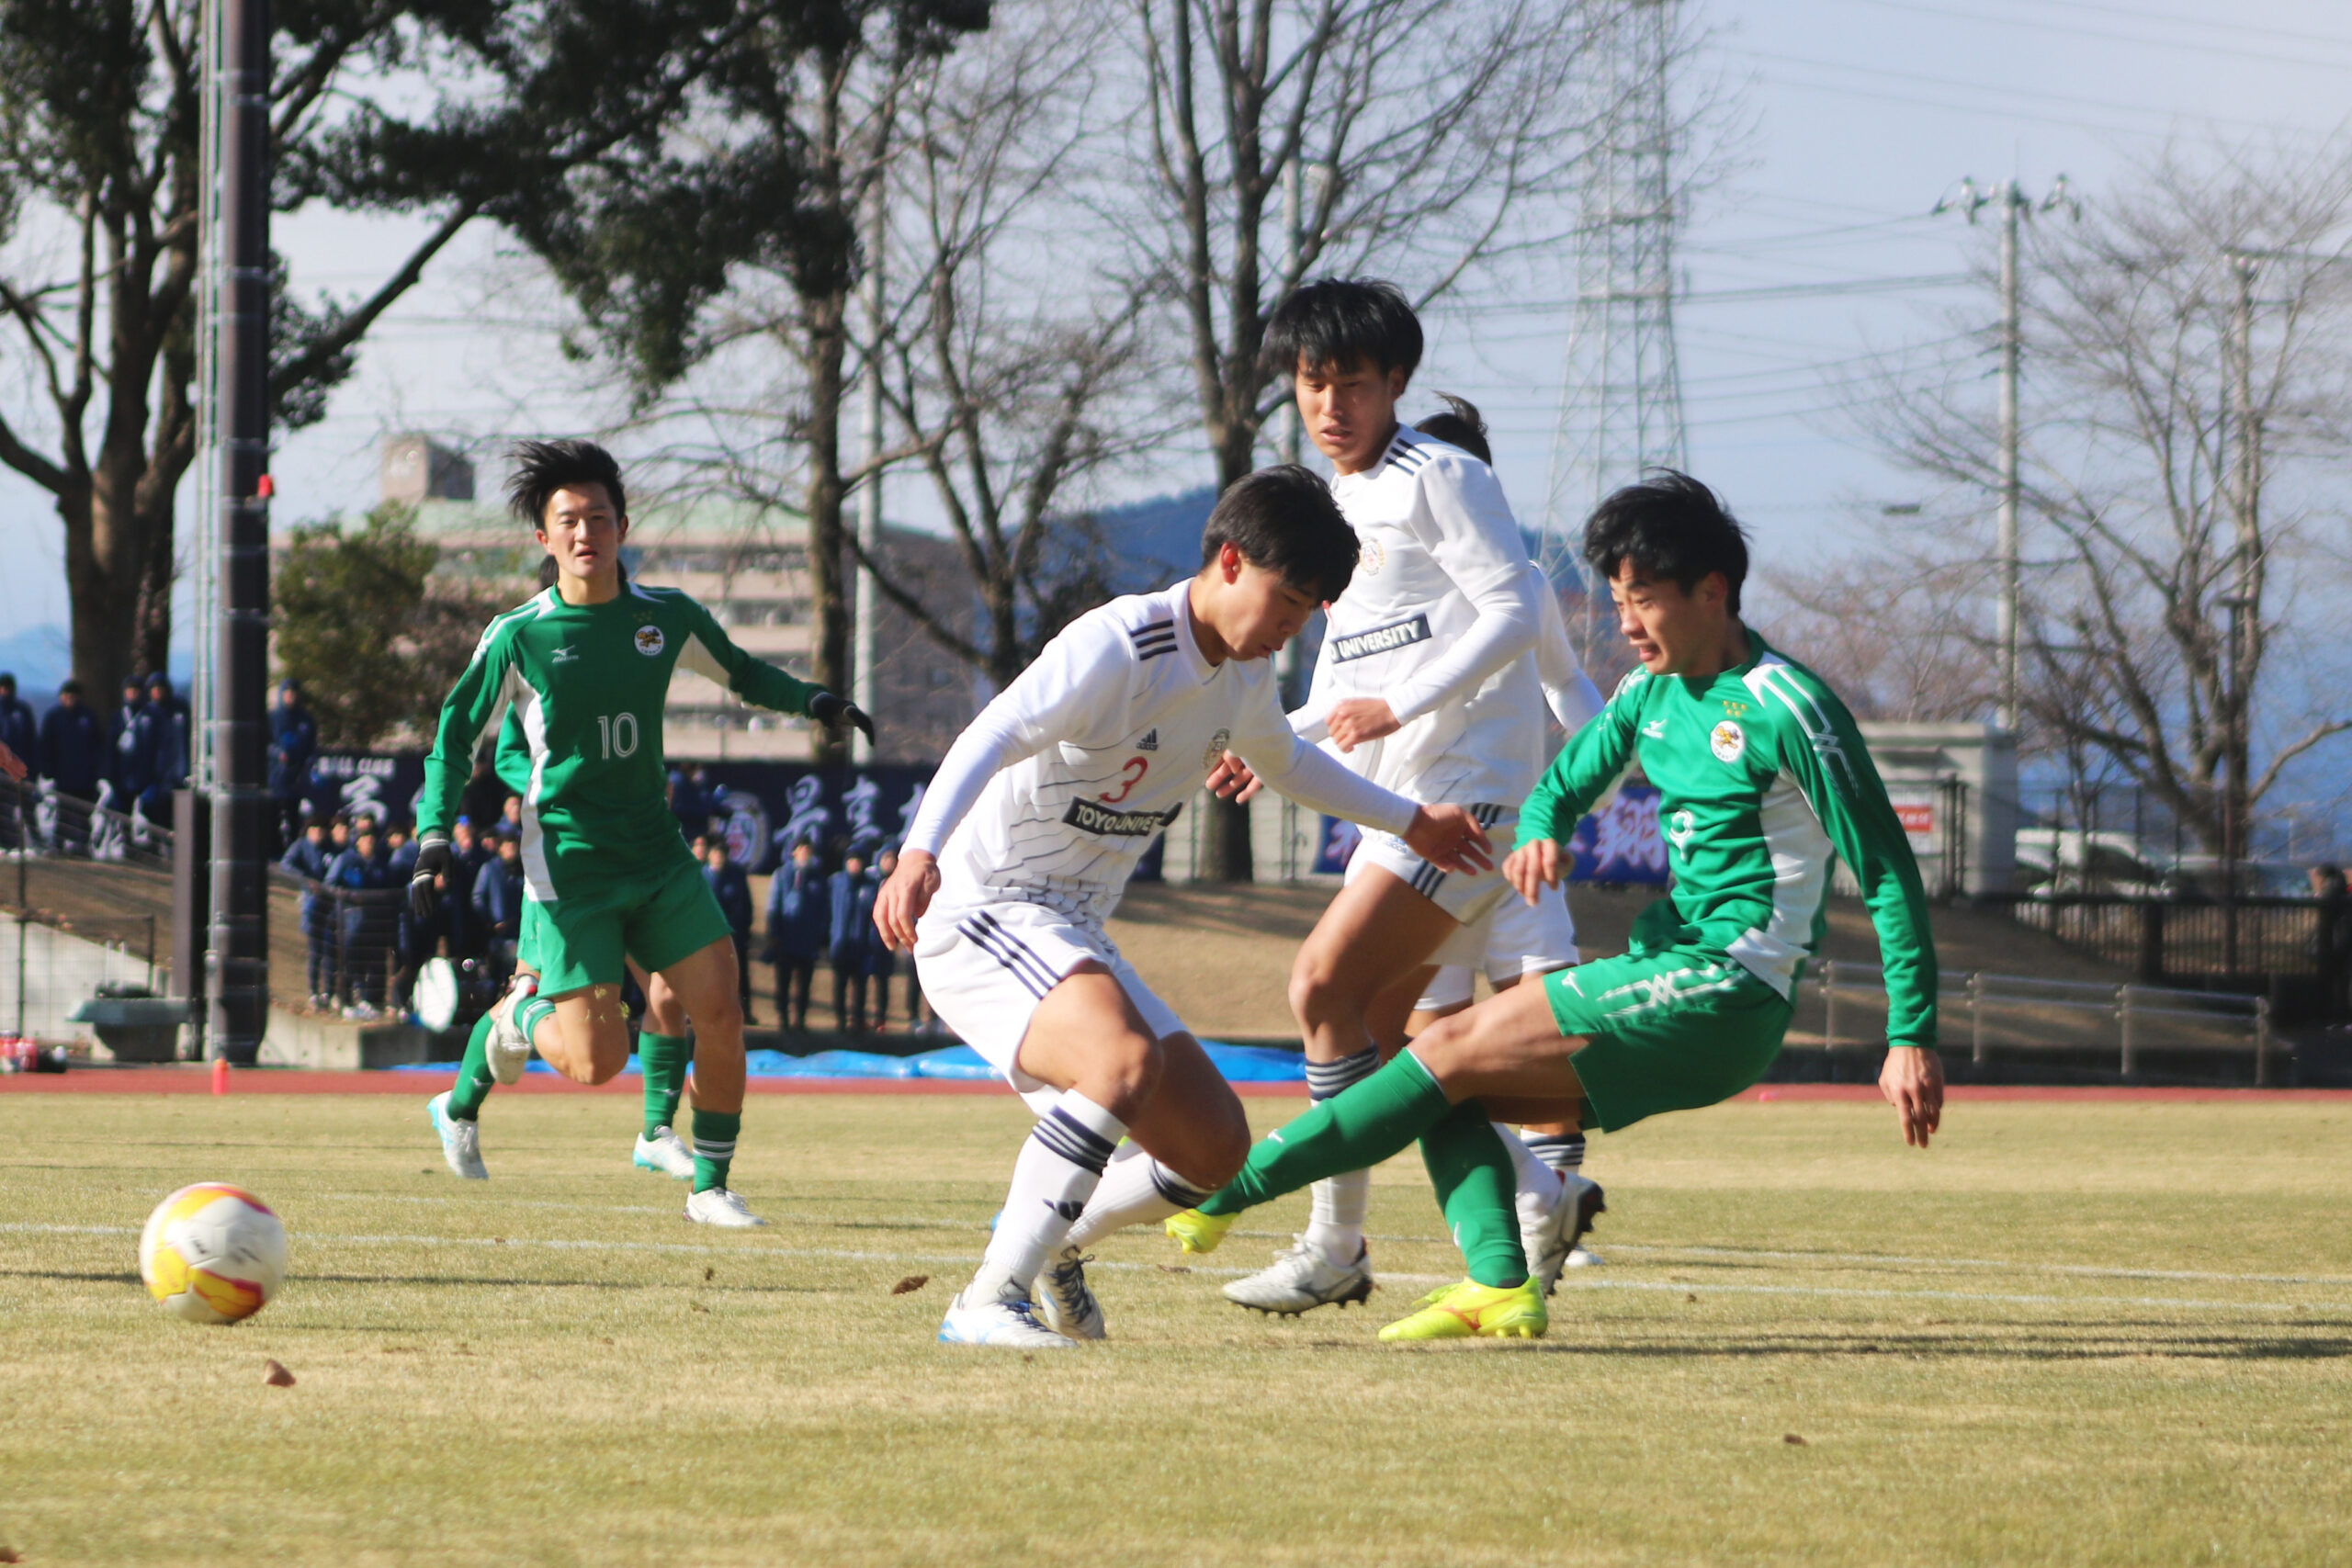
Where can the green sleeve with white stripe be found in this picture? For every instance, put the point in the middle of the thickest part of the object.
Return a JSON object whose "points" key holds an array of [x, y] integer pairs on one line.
{"points": [[710, 651], [472, 706], [1586, 767], [1823, 752]]}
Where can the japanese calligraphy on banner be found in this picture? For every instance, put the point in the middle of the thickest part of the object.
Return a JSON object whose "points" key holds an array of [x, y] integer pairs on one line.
{"points": [[1618, 843]]}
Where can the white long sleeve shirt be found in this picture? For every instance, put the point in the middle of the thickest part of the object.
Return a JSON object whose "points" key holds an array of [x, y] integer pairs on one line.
{"points": [[1056, 790], [1439, 621], [1569, 692]]}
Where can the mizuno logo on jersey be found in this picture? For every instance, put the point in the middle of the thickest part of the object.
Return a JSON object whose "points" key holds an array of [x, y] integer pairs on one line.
{"points": [[566, 655], [1088, 817], [1381, 639], [1150, 741], [1655, 730], [1153, 639]]}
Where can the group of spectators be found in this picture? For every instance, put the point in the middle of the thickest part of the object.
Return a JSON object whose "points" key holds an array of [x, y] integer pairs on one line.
{"points": [[819, 913], [366, 943], [130, 763]]}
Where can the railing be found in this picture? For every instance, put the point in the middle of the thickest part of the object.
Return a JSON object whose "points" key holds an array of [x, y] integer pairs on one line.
{"points": [[2020, 1010]]}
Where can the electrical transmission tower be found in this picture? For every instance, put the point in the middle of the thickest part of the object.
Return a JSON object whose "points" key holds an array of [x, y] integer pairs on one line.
{"points": [[1621, 395]]}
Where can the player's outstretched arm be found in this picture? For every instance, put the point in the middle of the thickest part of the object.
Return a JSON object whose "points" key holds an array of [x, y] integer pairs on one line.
{"points": [[1450, 838], [709, 651], [905, 897], [1447, 837]]}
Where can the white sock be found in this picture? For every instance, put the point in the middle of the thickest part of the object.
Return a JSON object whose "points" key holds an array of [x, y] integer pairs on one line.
{"points": [[1056, 1174], [1538, 1182], [1132, 1192], [1335, 1220]]}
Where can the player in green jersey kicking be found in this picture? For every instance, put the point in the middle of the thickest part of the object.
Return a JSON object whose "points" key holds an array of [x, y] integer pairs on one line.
{"points": [[587, 665], [1764, 782]]}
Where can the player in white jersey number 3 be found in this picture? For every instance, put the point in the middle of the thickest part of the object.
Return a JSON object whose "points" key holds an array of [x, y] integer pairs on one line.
{"points": [[1024, 842]]}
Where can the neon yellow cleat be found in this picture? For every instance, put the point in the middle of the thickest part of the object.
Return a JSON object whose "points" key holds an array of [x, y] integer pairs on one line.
{"points": [[1471, 1310], [1197, 1233]]}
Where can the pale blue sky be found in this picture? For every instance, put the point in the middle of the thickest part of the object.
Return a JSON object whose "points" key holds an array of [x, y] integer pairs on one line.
{"points": [[1863, 112]]}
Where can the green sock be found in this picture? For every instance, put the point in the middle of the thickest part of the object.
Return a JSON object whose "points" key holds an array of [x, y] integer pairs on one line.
{"points": [[1353, 1129], [474, 1082], [1478, 1190], [663, 1057], [714, 1145]]}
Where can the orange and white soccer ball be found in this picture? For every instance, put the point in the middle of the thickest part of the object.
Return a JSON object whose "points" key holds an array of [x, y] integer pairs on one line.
{"points": [[212, 1253]]}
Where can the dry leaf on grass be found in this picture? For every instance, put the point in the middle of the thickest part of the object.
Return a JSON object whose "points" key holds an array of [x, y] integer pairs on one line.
{"points": [[1793, 1439], [276, 1375], [710, 1273], [910, 1284]]}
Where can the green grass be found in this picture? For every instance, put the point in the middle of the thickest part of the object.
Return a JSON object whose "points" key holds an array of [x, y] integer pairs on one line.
{"points": [[2150, 1365]]}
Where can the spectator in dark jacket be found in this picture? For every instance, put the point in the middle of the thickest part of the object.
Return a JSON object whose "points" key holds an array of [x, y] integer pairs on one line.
{"points": [[467, 853], [307, 858], [131, 747], [21, 735], [498, 902], [850, 903], [687, 801], [800, 925], [167, 751], [367, 928], [732, 888], [72, 759], [880, 962], [293, 744]]}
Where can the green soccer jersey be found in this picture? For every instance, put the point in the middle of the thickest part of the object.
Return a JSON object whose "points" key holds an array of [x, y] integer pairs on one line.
{"points": [[1763, 782], [588, 685]]}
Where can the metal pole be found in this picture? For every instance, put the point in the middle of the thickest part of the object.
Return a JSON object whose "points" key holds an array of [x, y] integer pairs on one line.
{"points": [[869, 493], [1976, 1017], [2123, 1027], [237, 956], [2004, 613], [1287, 425]]}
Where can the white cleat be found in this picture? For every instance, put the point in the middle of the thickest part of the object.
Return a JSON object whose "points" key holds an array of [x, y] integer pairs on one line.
{"points": [[1068, 1307], [666, 1153], [509, 1049], [460, 1141], [1583, 1258], [1302, 1279], [718, 1206], [1551, 1237], [1009, 1326]]}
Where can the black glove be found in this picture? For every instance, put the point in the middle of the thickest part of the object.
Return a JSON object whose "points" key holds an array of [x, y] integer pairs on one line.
{"points": [[433, 860], [835, 711]]}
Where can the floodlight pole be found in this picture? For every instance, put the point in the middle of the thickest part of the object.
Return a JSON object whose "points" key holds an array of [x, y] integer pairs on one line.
{"points": [[237, 937], [869, 491], [2005, 612]]}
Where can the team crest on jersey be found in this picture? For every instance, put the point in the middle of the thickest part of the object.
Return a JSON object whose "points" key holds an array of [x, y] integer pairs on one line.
{"points": [[650, 640], [1371, 555], [1215, 751], [1727, 740]]}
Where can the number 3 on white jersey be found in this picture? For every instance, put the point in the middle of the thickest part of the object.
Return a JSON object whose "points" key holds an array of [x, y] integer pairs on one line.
{"points": [[618, 733]]}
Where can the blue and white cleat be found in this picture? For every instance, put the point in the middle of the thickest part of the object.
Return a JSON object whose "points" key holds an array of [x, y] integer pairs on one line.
{"points": [[664, 1154], [460, 1141], [1008, 1325], [1062, 1297]]}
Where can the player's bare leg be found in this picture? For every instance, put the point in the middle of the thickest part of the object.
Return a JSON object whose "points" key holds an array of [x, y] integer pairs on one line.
{"points": [[1087, 1042]]}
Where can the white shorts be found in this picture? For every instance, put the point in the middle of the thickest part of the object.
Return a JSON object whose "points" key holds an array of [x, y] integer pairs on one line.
{"points": [[986, 967], [1520, 939], [1468, 898]]}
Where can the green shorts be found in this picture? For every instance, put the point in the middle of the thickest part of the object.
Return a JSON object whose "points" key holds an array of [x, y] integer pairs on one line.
{"points": [[586, 940], [1671, 1030]]}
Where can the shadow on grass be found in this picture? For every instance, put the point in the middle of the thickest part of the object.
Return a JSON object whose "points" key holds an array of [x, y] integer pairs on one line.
{"points": [[2098, 1343]]}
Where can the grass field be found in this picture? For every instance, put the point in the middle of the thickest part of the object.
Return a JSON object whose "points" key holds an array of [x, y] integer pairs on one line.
{"points": [[2070, 1333]]}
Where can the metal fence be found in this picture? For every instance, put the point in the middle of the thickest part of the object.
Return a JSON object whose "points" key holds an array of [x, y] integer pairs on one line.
{"points": [[1845, 1004]]}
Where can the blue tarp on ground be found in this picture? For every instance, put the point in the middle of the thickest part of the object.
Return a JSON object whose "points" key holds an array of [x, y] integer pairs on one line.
{"points": [[1239, 1064]]}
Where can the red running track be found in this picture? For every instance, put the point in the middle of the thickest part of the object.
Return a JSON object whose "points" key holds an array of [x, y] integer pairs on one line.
{"points": [[194, 1078]]}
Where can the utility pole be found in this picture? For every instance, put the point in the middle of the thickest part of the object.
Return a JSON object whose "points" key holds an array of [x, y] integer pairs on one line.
{"points": [[1290, 446], [237, 933], [869, 493], [2243, 600], [2012, 200]]}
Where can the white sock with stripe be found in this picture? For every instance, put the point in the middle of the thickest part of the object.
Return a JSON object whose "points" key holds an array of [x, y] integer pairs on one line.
{"points": [[1058, 1171], [1134, 1192], [1339, 1204], [1538, 1182]]}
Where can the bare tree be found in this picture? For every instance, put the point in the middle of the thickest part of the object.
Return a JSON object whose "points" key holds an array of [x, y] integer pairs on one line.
{"points": [[2185, 346], [1011, 379], [1426, 139], [1897, 631]]}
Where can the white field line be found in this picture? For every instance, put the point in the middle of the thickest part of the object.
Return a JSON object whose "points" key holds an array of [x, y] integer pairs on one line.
{"points": [[1566, 1283], [1736, 1254]]}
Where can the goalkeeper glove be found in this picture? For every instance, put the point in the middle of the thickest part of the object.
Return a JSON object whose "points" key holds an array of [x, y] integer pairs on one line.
{"points": [[433, 860], [834, 711]]}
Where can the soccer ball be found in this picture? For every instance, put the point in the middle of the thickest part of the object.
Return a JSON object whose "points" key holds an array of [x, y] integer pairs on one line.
{"points": [[212, 1253]]}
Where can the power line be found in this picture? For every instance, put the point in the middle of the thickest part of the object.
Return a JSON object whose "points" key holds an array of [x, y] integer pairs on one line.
{"points": [[2044, 24]]}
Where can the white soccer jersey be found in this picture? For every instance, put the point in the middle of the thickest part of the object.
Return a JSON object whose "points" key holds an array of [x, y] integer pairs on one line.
{"points": [[1439, 621], [1058, 786]]}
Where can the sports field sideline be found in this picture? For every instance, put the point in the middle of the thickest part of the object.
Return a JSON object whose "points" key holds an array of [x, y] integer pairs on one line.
{"points": [[2076, 1331]]}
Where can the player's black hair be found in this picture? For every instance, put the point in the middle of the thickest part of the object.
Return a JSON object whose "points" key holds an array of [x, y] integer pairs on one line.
{"points": [[1461, 425], [8, 678], [543, 468], [1343, 322], [69, 684], [1669, 526], [1284, 520], [548, 571]]}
